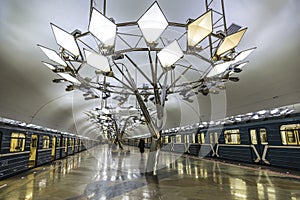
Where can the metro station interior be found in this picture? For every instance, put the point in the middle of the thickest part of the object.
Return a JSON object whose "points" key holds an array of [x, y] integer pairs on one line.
{"points": [[126, 100]]}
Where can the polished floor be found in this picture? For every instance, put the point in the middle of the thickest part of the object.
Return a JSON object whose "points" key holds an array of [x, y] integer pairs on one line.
{"points": [[98, 174]]}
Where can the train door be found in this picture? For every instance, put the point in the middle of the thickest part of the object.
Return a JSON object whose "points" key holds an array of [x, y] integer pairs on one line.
{"points": [[258, 138], [72, 145], [53, 152], [33, 150], [66, 146]]}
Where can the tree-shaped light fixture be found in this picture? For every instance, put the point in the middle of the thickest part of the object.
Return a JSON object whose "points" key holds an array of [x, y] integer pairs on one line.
{"points": [[126, 56]]}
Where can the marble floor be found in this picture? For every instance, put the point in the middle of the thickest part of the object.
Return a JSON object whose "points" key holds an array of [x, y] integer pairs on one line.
{"points": [[98, 174]]}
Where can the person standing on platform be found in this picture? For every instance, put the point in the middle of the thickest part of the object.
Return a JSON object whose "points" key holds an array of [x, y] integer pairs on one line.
{"points": [[142, 145]]}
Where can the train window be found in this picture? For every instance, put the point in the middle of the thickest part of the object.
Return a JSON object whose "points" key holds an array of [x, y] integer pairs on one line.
{"points": [[66, 144], [193, 138], [17, 142], [166, 139], [253, 136], [216, 138], [263, 136], [290, 134], [58, 142], [46, 142], [199, 138], [71, 141], [178, 138], [186, 139], [202, 138], [211, 138], [34, 141], [232, 136]]}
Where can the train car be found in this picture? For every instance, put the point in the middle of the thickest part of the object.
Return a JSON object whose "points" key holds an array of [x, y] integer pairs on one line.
{"points": [[15, 150], [23, 148], [180, 141], [76, 144], [41, 148], [147, 142], [273, 142], [71, 145]]}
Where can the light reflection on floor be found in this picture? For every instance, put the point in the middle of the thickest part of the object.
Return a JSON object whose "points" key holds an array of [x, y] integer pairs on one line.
{"points": [[97, 174]]}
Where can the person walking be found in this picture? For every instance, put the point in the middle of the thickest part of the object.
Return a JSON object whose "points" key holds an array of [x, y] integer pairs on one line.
{"points": [[142, 145]]}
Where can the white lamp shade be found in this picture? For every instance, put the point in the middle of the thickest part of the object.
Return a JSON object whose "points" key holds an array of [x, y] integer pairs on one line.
{"points": [[97, 61], [65, 40], [170, 54], [242, 55], [153, 23], [68, 77], [50, 66], [102, 28], [220, 68], [52, 55], [230, 42], [199, 29]]}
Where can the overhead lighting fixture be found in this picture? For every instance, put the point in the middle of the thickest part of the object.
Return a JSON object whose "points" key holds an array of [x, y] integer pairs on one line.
{"points": [[244, 54], [220, 68], [153, 23], [262, 112], [290, 111], [97, 61], [169, 55], [284, 111], [69, 78], [230, 42], [199, 29], [65, 40], [102, 28], [274, 111], [50, 66], [105, 111], [52, 55]]}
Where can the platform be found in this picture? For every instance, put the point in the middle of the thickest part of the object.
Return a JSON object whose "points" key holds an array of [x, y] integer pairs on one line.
{"points": [[98, 175]]}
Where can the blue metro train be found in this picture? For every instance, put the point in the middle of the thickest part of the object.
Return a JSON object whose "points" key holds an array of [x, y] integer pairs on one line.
{"points": [[23, 148], [271, 141]]}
